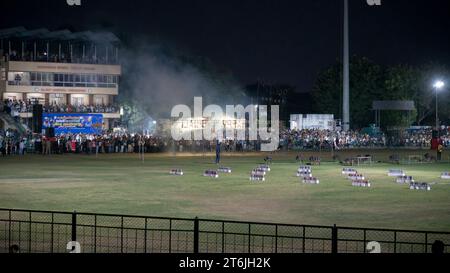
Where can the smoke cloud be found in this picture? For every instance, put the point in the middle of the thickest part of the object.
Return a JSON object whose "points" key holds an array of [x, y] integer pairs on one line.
{"points": [[157, 79]]}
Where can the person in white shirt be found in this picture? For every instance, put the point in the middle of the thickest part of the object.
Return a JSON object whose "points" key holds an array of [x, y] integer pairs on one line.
{"points": [[22, 147]]}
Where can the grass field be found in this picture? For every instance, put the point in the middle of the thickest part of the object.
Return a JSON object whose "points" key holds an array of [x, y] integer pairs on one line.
{"points": [[125, 184]]}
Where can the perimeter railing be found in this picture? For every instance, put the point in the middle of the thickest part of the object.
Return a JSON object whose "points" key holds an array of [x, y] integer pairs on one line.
{"points": [[33, 231]]}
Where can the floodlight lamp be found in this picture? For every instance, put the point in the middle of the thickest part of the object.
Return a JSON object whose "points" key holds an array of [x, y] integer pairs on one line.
{"points": [[439, 84]]}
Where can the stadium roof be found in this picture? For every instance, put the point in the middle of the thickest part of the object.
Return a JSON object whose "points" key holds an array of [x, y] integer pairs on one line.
{"points": [[65, 34]]}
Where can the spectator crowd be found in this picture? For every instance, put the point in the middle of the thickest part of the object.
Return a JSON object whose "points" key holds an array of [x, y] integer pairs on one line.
{"points": [[14, 107], [325, 139], [13, 142]]}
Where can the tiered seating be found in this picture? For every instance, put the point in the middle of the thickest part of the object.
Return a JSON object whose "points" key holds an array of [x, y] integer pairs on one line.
{"points": [[304, 174], [211, 173], [396, 173], [257, 177], [405, 179], [304, 171], [445, 175], [361, 183], [419, 186], [358, 179], [348, 171], [310, 180], [224, 170], [356, 176], [264, 167], [259, 173], [176, 172], [304, 168]]}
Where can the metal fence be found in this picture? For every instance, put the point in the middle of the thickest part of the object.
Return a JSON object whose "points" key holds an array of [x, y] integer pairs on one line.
{"points": [[31, 231]]}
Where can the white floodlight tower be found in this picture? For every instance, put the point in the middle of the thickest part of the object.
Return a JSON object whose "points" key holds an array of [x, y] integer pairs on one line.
{"points": [[346, 73]]}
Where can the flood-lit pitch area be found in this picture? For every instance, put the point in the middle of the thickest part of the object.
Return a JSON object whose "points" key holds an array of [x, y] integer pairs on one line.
{"points": [[126, 184]]}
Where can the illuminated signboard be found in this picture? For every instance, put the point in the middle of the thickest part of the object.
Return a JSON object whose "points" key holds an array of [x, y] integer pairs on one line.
{"points": [[73, 123]]}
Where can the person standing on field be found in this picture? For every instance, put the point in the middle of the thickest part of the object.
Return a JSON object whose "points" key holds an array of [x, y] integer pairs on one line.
{"points": [[217, 151], [48, 146], [43, 145], [22, 147]]}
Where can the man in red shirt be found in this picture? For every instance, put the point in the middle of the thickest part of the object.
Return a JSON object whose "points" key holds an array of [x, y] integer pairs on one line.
{"points": [[438, 145], [440, 149]]}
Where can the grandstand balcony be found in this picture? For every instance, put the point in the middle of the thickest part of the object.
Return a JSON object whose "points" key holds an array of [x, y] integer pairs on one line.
{"points": [[61, 46], [54, 78], [59, 68], [105, 115], [58, 62]]}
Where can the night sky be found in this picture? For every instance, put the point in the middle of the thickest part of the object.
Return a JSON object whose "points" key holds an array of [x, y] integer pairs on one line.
{"points": [[285, 42]]}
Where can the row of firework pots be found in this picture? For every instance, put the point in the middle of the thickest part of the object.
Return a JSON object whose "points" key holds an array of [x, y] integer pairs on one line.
{"points": [[215, 173], [259, 173], [357, 179], [402, 178], [305, 174], [207, 173]]}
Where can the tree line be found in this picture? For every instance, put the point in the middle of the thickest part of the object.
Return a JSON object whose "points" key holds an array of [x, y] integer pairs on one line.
{"points": [[370, 81]]}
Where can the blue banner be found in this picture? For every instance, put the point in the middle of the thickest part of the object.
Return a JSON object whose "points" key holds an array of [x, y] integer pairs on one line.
{"points": [[73, 123]]}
